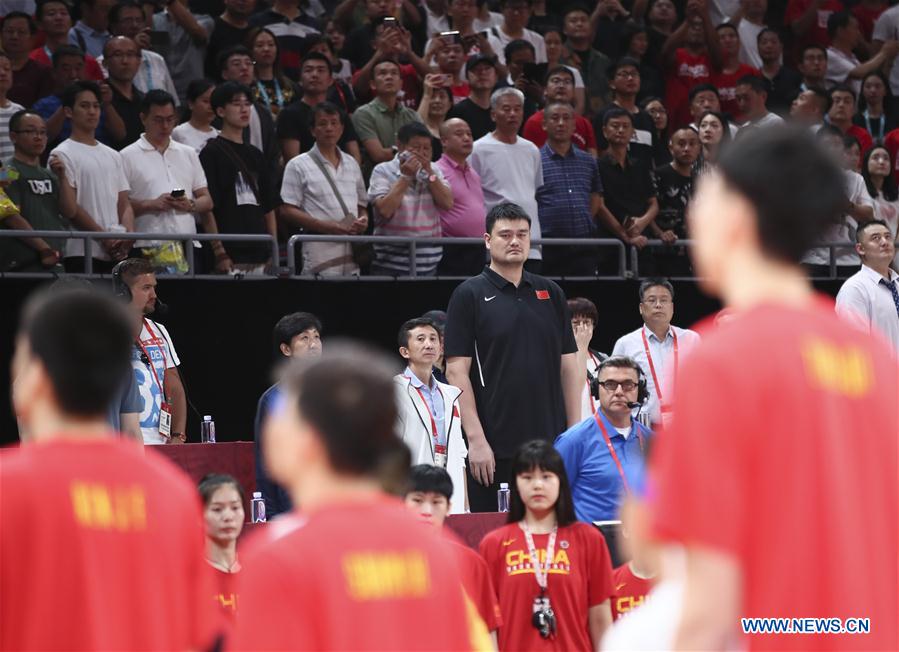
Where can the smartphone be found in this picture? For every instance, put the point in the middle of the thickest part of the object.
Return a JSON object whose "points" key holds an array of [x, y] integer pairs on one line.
{"points": [[390, 21], [177, 193], [451, 38], [536, 72]]}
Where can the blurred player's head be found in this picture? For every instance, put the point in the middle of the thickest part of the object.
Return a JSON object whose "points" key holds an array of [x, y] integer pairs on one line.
{"points": [[298, 335], [333, 431], [73, 350], [769, 201], [428, 493], [223, 511], [540, 484]]}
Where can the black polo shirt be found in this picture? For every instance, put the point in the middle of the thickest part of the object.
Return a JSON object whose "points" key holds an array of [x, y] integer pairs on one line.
{"points": [[515, 337], [129, 111], [626, 190], [293, 123]]}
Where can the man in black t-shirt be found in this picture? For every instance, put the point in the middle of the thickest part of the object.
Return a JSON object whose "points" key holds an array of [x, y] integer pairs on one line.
{"points": [[674, 183], [510, 349], [230, 28], [624, 80], [480, 71], [237, 177]]}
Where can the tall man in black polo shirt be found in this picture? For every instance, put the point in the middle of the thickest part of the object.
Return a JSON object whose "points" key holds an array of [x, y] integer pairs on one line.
{"points": [[510, 349]]}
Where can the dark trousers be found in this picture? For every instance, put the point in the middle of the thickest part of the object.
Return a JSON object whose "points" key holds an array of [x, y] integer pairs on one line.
{"points": [[483, 499], [75, 265]]}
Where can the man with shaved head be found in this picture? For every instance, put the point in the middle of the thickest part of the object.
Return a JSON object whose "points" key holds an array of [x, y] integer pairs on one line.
{"points": [[467, 216]]}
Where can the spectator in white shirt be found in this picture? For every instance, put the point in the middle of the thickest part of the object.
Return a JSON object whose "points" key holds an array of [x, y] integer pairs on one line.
{"points": [[750, 21], [198, 129], [842, 64], [515, 16], [168, 185], [752, 94], [657, 346], [886, 30], [509, 166], [95, 172], [870, 298], [323, 192]]}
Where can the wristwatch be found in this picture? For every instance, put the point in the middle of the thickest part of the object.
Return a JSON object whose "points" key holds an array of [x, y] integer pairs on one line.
{"points": [[432, 178]]}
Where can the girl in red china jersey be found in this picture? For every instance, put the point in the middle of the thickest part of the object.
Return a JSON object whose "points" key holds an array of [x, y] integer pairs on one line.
{"points": [[223, 515], [552, 574]]}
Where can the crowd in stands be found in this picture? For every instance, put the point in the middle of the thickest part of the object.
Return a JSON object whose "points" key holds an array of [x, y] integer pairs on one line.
{"points": [[413, 119]]}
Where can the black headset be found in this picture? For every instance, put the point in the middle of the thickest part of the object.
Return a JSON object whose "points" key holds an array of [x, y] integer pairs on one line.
{"points": [[642, 388], [120, 289]]}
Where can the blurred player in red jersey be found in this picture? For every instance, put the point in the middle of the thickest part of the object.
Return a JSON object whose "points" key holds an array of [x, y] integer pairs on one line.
{"points": [[779, 471], [100, 543], [354, 570], [223, 513], [552, 574], [634, 579], [428, 496]]}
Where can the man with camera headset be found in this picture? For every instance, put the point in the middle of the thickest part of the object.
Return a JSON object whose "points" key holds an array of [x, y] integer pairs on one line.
{"points": [[163, 415], [604, 455]]}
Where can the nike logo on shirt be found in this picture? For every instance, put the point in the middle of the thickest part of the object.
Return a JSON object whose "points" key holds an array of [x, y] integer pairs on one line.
{"points": [[508, 542], [487, 299]]}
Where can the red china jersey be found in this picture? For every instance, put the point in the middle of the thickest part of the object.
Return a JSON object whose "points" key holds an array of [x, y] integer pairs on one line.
{"points": [[689, 70], [782, 453], [580, 577], [101, 547], [817, 33], [630, 590], [584, 137], [478, 585], [726, 83], [362, 575], [224, 594]]}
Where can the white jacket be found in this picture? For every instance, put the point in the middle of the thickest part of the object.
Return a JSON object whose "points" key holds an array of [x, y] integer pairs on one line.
{"points": [[414, 426]]}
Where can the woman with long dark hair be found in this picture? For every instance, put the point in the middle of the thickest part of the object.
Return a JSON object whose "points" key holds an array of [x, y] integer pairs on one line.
{"points": [[873, 113], [714, 134], [197, 127], [878, 175], [552, 574], [271, 87]]}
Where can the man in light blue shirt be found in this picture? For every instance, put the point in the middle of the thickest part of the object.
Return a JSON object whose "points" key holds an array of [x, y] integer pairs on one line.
{"points": [[604, 454], [91, 32]]}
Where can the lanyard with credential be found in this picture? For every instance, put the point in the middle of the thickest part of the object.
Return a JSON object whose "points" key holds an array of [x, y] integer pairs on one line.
{"points": [[541, 573], [605, 436], [150, 364], [882, 124], [438, 449], [652, 368], [279, 97]]}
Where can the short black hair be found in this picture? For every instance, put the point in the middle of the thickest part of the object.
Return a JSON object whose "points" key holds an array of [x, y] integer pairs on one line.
{"points": [[812, 46], [655, 282], [41, 6], [826, 130], [316, 56], [756, 83], [580, 306], [622, 62], [721, 26], [540, 454], [768, 30], [16, 118], [837, 20], [619, 362], [426, 478], [116, 10], [412, 324], [83, 339], [505, 211], [841, 88], [289, 326], [865, 225], [212, 482], [699, 88], [71, 92], [797, 191], [412, 130], [823, 98], [334, 395], [66, 51], [226, 92], [32, 28], [197, 87], [326, 108], [616, 112], [516, 46], [227, 53], [155, 97], [575, 7]]}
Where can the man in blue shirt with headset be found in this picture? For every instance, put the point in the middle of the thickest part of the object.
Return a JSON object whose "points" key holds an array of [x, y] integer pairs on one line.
{"points": [[604, 454]]}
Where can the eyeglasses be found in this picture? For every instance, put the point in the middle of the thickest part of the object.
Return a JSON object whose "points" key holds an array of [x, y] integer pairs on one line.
{"points": [[124, 55], [612, 385], [628, 74], [40, 133], [652, 301], [560, 81]]}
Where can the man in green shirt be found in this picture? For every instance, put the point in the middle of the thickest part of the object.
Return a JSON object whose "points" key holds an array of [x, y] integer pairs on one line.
{"points": [[44, 203], [377, 122]]}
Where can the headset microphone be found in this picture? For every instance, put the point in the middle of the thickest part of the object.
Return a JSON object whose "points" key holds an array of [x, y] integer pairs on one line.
{"points": [[634, 405], [161, 308]]}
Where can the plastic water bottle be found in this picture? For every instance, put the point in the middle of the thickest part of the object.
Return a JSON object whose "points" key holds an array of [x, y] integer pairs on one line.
{"points": [[502, 497], [257, 508], [207, 430]]}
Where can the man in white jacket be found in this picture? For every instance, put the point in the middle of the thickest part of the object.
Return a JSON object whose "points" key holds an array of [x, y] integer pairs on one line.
{"points": [[428, 420]]}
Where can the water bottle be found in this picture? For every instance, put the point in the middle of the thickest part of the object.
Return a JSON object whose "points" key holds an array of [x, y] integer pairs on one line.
{"points": [[502, 497], [207, 430], [257, 508]]}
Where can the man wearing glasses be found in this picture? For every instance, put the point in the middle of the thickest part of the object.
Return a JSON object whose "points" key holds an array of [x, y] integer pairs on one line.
{"points": [[168, 185], [604, 454], [657, 346]]}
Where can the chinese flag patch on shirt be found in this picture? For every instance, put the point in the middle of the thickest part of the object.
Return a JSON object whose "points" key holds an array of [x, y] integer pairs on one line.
{"points": [[543, 294]]}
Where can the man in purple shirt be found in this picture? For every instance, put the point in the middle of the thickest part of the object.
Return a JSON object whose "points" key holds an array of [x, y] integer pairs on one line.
{"points": [[467, 217]]}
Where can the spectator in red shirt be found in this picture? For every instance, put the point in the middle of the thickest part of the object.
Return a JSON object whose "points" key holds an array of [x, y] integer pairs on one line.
{"points": [[841, 112], [808, 20], [55, 21], [101, 542], [689, 55], [560, 88], [829, 503], [726, 76], [552, 574], [223, 514], [428, 496]]}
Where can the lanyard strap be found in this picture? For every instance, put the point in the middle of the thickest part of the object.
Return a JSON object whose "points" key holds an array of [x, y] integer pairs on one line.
{"points": [[541, 573], [434, 432], [150, 364], [605, 436], [279, 97], [145, 61], [652, 368], [881, 126], [589, 388]]}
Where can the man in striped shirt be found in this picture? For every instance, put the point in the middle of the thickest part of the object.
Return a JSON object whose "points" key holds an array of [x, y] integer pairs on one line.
{"points": [[407, 194]]}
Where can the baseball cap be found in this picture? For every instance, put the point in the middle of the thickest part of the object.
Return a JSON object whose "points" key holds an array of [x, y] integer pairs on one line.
{"points": [[475, 59]]}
